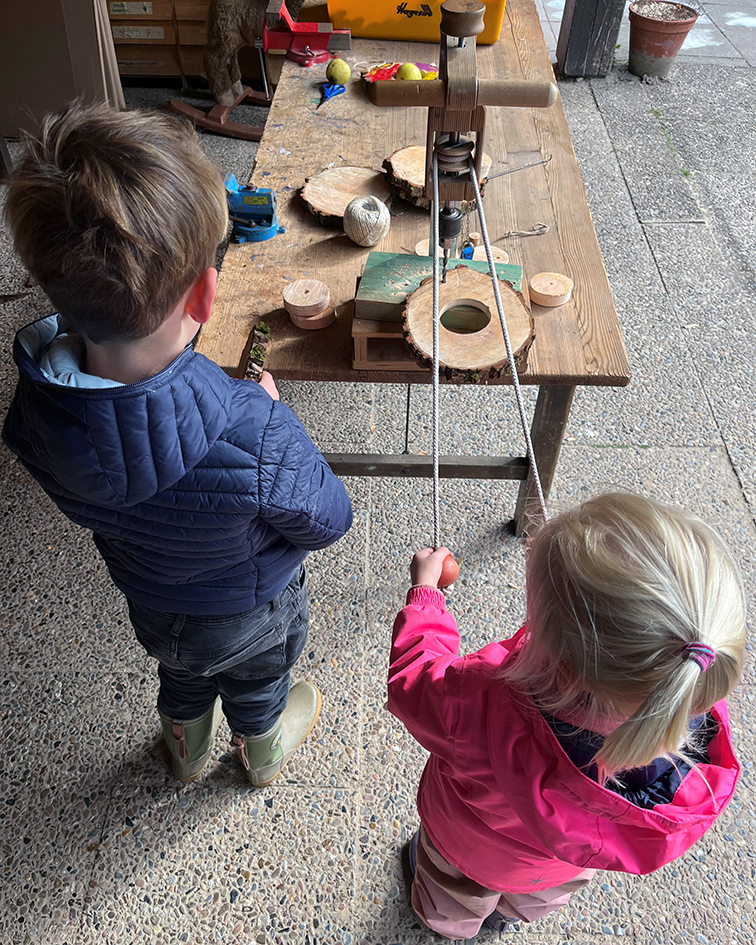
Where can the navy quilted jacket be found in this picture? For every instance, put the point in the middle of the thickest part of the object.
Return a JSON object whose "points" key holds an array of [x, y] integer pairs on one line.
{"points": [[203, 494]]}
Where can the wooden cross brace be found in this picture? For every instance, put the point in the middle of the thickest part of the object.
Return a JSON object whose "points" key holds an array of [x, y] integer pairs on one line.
{"points": [[457, 98]]}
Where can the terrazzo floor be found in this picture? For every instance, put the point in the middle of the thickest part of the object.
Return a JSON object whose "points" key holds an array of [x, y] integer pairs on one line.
{"points": [[99, 843]]}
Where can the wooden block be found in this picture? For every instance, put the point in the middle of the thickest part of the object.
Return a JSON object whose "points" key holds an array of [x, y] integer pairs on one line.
{"points": [[588, 37], [388, 278]]}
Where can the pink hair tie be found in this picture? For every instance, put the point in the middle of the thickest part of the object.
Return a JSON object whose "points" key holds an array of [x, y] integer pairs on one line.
{"points": [[700, 653]]}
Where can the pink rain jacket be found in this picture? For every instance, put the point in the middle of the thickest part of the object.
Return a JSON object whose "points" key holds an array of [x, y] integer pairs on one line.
{"points": [[499, 797]]}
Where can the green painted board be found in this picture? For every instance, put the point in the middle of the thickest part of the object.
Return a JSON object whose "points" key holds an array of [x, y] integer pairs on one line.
{"points": [[388, 278]]}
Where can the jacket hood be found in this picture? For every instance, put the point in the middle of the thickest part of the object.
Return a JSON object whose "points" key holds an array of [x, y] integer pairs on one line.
{"points": [[113, 445], [582, 822]]}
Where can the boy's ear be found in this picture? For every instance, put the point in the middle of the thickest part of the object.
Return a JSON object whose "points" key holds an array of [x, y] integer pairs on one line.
{"points": [[199, 302]]}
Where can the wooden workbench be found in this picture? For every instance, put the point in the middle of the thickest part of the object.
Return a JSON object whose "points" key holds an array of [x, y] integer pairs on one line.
{"points": [[579, 343]]}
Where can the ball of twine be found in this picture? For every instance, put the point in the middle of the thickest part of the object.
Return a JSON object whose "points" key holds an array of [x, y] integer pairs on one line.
{"points": [[366, 220]]}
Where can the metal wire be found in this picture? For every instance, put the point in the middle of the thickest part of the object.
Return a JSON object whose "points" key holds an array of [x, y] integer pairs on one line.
{"points": [[507, 342], [434, 253]]}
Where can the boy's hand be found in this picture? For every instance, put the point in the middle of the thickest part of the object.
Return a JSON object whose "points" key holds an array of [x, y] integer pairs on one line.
{"points": [[426, 566], [266, 381]]}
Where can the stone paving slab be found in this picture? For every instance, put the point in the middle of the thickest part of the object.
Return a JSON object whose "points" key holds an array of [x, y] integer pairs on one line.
{"points": [[649, 161], [59, 764], [232, 867], [373, 421], [59, 610]]}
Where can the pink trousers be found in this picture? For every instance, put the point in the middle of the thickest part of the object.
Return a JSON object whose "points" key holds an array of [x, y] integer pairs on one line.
{"points": [[455, 906]]}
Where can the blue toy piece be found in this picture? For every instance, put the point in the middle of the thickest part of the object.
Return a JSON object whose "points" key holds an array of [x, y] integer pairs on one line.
{"points": [[252, 211]]}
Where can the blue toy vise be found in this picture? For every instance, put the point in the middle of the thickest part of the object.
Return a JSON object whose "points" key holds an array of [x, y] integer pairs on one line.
{"points": [[252, 211]]}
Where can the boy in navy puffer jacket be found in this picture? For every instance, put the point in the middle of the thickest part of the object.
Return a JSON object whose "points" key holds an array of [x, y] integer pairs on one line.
{"points": [[204, 494]]}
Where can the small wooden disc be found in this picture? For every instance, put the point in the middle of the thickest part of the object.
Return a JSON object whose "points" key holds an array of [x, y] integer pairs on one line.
{"points": [[422, 247], [307, 298], [328, 193], [550, 289], [475, 355], [479, 252], [499, 256], [312, 322]]}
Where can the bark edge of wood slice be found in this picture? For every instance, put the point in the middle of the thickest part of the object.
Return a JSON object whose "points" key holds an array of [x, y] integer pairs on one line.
{"points": [[476, 356]]}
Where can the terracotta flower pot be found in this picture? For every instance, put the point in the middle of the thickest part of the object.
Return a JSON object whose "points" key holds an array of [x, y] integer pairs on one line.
{"points": [[654, 42]]}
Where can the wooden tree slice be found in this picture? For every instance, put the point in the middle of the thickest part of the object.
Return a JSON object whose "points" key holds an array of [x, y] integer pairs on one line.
{"points": [[550, 289], [328, 193], [474, 356], [405, 170]]}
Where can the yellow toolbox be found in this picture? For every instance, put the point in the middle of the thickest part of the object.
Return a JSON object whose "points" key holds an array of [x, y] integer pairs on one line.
{"points": [[411, 21]]}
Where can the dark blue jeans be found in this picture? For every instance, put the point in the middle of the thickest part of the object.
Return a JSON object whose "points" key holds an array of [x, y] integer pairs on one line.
{"points": [[245, 659]]}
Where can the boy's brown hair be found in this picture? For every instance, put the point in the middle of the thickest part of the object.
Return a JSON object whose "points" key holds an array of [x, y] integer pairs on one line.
{"points": [[115, 214]]}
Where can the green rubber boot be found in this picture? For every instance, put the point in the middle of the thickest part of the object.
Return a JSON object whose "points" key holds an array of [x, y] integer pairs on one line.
{"points": [[263, 756], [190, 742]]}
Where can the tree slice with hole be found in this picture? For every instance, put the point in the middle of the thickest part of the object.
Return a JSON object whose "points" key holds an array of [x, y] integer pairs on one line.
{"points": [[405, 170], [473, 356], [328, 193]]}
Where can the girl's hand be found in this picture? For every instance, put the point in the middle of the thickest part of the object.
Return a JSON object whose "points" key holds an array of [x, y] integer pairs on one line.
{"points": [[426, 566], [267, 383]]}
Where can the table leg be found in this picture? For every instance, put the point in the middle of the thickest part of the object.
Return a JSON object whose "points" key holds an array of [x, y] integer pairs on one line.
{"points": [[549, 423]]}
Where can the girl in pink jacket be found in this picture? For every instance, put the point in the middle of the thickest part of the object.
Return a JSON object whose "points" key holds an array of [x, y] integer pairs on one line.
{"points": [[596, 737]]}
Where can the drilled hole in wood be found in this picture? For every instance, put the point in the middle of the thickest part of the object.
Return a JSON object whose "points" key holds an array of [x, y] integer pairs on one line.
{"points": [[465, 316]]}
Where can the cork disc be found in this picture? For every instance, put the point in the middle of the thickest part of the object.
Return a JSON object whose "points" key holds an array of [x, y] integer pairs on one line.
{"points": [[328, 193], [306, 298], [470, 336], [550, 289]]}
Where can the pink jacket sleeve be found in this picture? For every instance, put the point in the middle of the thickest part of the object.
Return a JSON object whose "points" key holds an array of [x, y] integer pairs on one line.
{"points": [[425, 669]]}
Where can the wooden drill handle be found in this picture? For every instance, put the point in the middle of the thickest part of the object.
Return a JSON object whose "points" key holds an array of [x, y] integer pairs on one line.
{"points": [[432, 92]]}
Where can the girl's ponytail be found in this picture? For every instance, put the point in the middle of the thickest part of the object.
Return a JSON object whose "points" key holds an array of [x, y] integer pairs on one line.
{"points": [[636, 615]]}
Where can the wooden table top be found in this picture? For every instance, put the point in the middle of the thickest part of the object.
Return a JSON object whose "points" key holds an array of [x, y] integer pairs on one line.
{"points": [[579, 343]]}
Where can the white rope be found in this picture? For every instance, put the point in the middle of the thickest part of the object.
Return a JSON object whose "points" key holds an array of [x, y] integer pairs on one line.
{"points": [[505, 332], [436, 277]]}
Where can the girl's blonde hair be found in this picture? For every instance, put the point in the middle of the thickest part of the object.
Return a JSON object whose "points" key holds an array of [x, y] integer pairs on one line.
{"points": [[615, 591]]}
